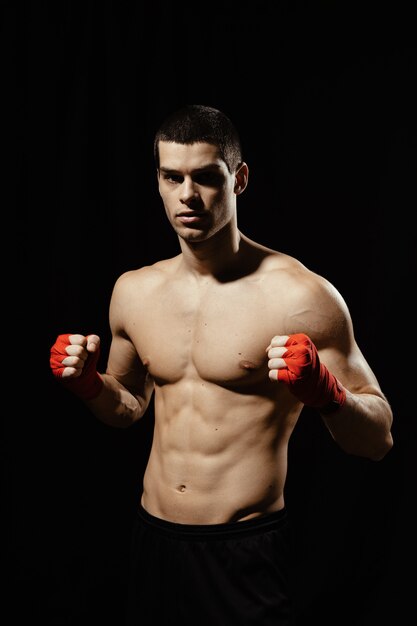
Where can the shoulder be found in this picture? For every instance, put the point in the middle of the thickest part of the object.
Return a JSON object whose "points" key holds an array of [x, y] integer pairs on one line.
{"points": [[135, 291], [312, 304], [146, 278]]}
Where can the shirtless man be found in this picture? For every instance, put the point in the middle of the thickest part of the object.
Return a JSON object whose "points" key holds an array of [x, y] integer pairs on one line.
{"points": [[231, 339]]}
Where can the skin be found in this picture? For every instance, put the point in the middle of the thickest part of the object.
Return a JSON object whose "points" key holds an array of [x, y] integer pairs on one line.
{"points": [[204, 333]]}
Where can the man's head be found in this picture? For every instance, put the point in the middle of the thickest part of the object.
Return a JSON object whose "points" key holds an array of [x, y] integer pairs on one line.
{"points": [[197, 123]]}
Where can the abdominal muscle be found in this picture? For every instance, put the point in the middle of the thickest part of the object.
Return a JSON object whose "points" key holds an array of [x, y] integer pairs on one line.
{"points": [[217, 455]]}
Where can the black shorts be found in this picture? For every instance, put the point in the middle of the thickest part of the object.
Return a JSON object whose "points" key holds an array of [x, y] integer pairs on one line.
{"points": [[210, 575]]}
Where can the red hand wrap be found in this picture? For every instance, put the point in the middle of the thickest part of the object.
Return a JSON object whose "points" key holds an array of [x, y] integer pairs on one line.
{"points": [[89, 384], [308, 379]]}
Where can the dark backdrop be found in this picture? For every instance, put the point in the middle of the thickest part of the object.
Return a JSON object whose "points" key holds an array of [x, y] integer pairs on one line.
{"points": [[323, 96]]}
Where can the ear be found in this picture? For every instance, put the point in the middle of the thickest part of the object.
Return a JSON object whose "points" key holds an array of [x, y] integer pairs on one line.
{"points": [[241, 178]]}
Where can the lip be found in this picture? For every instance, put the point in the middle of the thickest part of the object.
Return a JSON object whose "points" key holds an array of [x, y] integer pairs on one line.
{"points": [[190, 218]]}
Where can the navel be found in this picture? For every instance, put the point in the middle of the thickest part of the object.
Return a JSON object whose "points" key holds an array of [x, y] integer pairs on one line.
{"points": [[181, 488]]}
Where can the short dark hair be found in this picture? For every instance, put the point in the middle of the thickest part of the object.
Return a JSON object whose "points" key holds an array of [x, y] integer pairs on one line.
{"points": [[196, 123]]}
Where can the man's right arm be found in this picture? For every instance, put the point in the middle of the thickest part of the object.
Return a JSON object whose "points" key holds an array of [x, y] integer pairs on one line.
{"points": [[117, 400]]}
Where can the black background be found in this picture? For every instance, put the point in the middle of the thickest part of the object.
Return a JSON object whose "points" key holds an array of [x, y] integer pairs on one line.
{"points": [[323, 94]]}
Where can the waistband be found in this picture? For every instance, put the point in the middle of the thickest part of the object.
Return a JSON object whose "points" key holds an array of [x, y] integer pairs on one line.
{"points": [[256, 525]]}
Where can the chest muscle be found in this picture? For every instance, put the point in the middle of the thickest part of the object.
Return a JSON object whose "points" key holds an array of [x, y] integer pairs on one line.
{"points": [[219, 337]]}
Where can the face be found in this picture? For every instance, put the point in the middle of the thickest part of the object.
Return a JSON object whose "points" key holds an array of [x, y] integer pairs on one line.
{"points": [[197, 189]]}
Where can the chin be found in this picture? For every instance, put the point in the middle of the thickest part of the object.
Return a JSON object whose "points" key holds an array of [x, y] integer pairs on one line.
{"points": [[193, 235]]}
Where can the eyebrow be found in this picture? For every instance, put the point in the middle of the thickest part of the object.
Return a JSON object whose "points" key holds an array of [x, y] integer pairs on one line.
{"points": [[203, 168]]}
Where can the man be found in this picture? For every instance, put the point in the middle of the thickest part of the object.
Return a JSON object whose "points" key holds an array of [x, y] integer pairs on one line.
{"points": [[231, 339]]}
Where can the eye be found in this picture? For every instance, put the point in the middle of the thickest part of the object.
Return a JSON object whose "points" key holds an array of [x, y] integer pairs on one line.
{"points": [[173, 178], [208, 179]]}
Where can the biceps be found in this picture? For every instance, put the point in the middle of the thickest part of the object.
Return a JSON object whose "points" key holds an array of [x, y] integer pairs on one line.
{"points": [[351, 368], [125, 365]]}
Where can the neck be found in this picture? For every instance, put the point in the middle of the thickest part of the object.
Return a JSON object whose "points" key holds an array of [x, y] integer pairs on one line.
{"points": [[215, 256]]}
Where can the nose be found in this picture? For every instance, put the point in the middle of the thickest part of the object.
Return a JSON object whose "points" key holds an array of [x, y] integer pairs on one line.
{"points": [[188, 191]]}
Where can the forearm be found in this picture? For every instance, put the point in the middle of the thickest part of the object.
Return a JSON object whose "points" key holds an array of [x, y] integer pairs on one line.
{"points": [[117, 406], [73, 362], [362, 426]]}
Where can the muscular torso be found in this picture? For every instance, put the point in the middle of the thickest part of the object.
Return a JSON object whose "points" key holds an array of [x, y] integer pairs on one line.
{"points": [[219, 450]]}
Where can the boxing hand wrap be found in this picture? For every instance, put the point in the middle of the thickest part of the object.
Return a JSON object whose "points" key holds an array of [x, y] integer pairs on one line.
{"points": [[89, 384], [307, 378]]}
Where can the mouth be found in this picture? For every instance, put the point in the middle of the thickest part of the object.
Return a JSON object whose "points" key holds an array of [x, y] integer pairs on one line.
{"points": [[190, 217]]}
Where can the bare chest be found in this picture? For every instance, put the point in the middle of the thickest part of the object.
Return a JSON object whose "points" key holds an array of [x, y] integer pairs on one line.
{"points": [[219, 336]]}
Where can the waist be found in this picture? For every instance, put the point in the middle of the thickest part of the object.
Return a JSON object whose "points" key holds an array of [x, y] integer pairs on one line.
{"points": [[255, 525]]}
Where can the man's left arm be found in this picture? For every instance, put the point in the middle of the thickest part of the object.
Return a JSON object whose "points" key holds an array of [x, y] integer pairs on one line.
{"points": [[323, 367]]}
